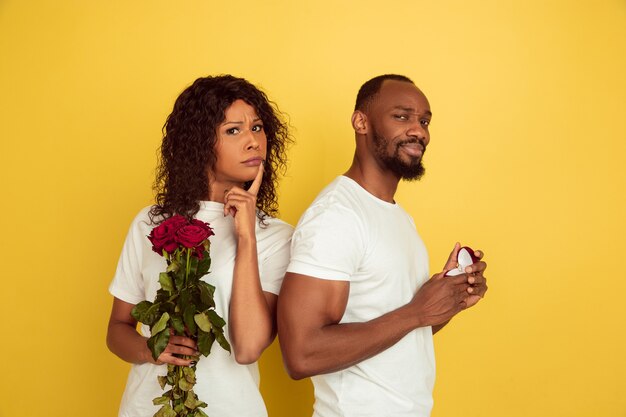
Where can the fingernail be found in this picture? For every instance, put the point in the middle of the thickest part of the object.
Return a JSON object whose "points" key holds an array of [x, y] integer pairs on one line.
{"points": [[471, 280]]}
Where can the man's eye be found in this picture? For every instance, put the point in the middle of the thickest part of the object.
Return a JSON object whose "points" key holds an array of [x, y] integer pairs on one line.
{"points": [[401, 117], [425, 122], [257, 128], [232, 131]]}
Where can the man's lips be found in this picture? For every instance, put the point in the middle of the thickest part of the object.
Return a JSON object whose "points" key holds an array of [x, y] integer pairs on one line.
{"points": [[412, 148]]}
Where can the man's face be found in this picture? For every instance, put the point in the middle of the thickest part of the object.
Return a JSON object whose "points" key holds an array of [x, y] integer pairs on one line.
{"points": [[399, 117]]}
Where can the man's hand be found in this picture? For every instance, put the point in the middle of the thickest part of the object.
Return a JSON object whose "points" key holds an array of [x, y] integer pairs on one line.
{"points": [[473, 283], [440, 298], [476, 280]]}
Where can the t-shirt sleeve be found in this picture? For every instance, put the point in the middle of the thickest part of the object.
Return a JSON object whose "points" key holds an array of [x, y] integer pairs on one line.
{"points": [[328, 243], [127, 284], [275, 258]]}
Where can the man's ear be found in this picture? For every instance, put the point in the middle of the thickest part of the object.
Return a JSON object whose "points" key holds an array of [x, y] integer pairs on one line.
{"points": [[359, 122]]}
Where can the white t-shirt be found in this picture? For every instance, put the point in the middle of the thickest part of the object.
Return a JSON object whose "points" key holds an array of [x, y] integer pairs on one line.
{"points": [[229, 389], [347, 234]]}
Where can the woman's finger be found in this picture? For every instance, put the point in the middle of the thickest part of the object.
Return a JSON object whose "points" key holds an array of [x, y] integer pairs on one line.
{"points": [[256, 184]]}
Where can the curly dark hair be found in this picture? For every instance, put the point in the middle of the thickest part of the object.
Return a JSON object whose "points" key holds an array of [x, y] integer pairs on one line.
{"points": [[189, 141]]}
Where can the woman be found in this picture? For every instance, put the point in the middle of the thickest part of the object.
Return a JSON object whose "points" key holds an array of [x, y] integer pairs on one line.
{"points": [[222, 147]]}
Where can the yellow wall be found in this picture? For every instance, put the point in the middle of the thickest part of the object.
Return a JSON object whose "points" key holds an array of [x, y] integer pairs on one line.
{"points": [[526, 162]]}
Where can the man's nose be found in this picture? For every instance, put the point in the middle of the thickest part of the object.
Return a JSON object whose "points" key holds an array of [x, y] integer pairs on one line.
{"points": [[419, 131]]}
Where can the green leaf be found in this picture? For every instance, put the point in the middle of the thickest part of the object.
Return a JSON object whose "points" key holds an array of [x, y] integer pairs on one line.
{"points": [[174, 266], [219, 336], [204, 265], [166, 282], [215, 319], [206, 293], [161, 296], [205, 341], [179, 279], [161, 324], [192, 400], [166, 411], [185, 385], [177, 324], [158, 342], [184, 298], [150, 316], [203, 322], [162, 381], [161, 401], [200, 413], [190, 374], [190, 311], [170, 307], [140, 309]]}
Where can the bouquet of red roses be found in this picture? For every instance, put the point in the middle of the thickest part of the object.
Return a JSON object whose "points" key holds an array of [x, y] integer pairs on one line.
{"points": [[183, 305]]}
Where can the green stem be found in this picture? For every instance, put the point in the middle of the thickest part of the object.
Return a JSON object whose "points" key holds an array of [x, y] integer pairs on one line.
{"points": [[187, 268]]}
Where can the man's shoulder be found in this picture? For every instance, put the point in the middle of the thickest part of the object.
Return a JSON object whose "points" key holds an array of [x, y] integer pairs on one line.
{"points": [[341, 192]]}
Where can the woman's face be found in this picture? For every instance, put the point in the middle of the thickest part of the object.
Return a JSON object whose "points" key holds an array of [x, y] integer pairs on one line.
{"points": [[241, 146]]}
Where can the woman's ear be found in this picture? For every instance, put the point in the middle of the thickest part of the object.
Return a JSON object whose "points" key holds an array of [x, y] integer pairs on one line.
{"points": [[359, 122]]}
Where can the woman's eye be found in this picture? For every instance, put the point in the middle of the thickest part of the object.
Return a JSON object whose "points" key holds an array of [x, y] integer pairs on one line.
{"points": [[257, 128], [232, 131]]}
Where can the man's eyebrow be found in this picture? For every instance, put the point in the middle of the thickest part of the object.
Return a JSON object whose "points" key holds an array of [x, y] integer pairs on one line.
{"points": [[412, 110]]}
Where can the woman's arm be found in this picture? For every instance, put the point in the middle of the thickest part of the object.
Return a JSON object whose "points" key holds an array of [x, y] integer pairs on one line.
{"points": [[124, 340], [252, 319]]}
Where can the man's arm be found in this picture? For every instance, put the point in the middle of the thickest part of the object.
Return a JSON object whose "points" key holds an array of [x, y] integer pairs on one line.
{"points": [[313, 342]]}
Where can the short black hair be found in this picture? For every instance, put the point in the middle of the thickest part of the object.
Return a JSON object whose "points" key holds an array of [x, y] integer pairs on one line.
{"points": [[369, 90]]}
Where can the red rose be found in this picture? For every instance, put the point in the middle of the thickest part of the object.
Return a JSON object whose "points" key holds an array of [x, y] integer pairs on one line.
{"points": [[163, 237], [193, 235], [204, 225]]}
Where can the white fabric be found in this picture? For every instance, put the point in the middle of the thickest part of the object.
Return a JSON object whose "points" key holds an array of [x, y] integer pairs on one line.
{"points": [[229, 389], [348, 234]]}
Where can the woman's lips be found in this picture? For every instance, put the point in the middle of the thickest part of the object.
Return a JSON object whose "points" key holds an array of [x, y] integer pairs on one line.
{"points": [[253, 162]]}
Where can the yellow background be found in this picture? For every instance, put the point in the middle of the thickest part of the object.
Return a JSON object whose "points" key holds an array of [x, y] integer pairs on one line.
{"points": [[526, 162]]}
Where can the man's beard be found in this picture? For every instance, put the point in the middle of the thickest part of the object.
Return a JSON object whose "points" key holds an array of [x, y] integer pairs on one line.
{"points": [[410, 171]]}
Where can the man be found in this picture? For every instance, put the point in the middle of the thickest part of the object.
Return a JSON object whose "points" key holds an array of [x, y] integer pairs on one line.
{"points": [[357, 310]]}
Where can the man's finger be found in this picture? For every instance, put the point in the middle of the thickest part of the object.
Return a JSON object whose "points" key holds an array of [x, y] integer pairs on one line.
{"points": [[479, 266], [256, 184], [452, 259]]}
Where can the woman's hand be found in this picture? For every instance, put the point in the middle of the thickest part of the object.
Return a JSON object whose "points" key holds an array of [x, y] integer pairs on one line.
{"points": [[241, 204], [124, 340], [179, 345]]}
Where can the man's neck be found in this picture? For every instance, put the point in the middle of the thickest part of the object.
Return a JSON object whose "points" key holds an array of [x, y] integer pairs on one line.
{"points": [[381, 184]]}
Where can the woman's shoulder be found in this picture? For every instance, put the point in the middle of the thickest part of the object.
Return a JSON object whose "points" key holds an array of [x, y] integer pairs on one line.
{"points": [[277, 228], [143, 221]]}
